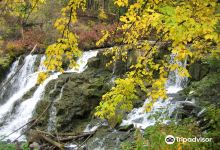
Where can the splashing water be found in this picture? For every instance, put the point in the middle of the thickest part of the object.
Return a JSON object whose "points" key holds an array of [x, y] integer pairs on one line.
{"points": [[24, 112], [22, 83], [53, 112], [82, 61]]}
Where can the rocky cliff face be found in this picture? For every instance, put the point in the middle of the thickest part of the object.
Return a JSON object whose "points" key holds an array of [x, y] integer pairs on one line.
{"points": [[75, 96]]}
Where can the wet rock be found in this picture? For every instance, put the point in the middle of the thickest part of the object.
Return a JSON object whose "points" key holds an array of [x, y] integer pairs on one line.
{"points": [[100, 61], [126, 128], [34, 146], [37, 62], [105, 139], [188, 105], [29, 94], [185, 109], [81, 94]]}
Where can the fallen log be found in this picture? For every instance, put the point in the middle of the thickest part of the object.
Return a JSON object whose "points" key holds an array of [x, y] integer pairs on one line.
{"points": [[84, 135], [53, 139], [46, 133], [49, 140]]}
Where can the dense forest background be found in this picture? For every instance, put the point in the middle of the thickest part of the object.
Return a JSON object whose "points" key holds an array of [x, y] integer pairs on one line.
{"points": [[19, 34]]}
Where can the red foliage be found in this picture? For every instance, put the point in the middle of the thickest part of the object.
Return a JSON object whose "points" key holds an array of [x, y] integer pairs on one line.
{"points": [[31, 37], [89, 36]]}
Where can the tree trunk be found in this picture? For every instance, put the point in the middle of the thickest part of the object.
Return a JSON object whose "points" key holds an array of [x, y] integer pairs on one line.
{"points": [[106, 4]]}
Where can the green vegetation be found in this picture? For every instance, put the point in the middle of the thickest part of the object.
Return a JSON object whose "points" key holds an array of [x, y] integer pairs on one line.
{"points": [[153, 137], [6, 146]]}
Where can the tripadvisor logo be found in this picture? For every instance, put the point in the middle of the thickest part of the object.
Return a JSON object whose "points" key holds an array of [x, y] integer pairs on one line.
{"points": [[170, 139]]}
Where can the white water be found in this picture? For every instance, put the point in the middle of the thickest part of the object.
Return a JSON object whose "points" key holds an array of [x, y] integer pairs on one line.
{"points": [[141, 119], [22, 83], [13, 69], [53, 111], [90, 128], [82, 61], [24, 112], [11, 72]]}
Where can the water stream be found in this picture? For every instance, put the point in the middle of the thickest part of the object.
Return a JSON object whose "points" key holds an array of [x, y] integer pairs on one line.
{"points": [[26, 79], [23, 81]]}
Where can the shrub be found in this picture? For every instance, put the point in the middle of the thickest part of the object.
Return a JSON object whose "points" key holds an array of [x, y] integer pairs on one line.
{"points": [[153, 138], [90, 34]]}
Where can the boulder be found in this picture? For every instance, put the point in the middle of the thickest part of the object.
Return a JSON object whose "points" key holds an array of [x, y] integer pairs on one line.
{"points": [[126, 127]]}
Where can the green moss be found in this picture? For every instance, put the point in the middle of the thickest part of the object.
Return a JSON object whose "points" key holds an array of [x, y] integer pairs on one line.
{"points": [[5, 62]]}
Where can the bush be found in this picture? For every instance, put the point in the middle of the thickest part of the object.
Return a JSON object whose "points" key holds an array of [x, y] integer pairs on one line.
{"points": [[4, 146], [90, 34], [153, 138]]}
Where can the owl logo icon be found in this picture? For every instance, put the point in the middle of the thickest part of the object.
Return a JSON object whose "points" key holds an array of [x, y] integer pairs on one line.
{"points": [[170, 139]]}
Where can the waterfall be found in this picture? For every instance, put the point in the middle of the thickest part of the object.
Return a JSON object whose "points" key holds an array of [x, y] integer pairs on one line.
{"points": [[12, 71], [23, 81], [24, 112], [141, 119], [26, 79], [82, 61]]}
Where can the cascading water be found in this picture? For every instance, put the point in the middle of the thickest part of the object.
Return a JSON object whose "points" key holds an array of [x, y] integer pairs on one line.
{"points": [[10, 74], [24, 112], [141, 119], [26, 79], [82, 61], [23, 81]]}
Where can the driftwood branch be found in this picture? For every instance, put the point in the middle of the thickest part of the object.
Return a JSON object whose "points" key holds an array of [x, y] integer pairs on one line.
{"points": [[53, 142], [84, 135], [58, 141]]}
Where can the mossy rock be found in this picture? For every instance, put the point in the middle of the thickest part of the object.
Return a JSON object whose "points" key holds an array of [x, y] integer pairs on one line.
{"points": [[5, 62], [29, 94], [40, 109], [81, 94], [106, 138]]}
